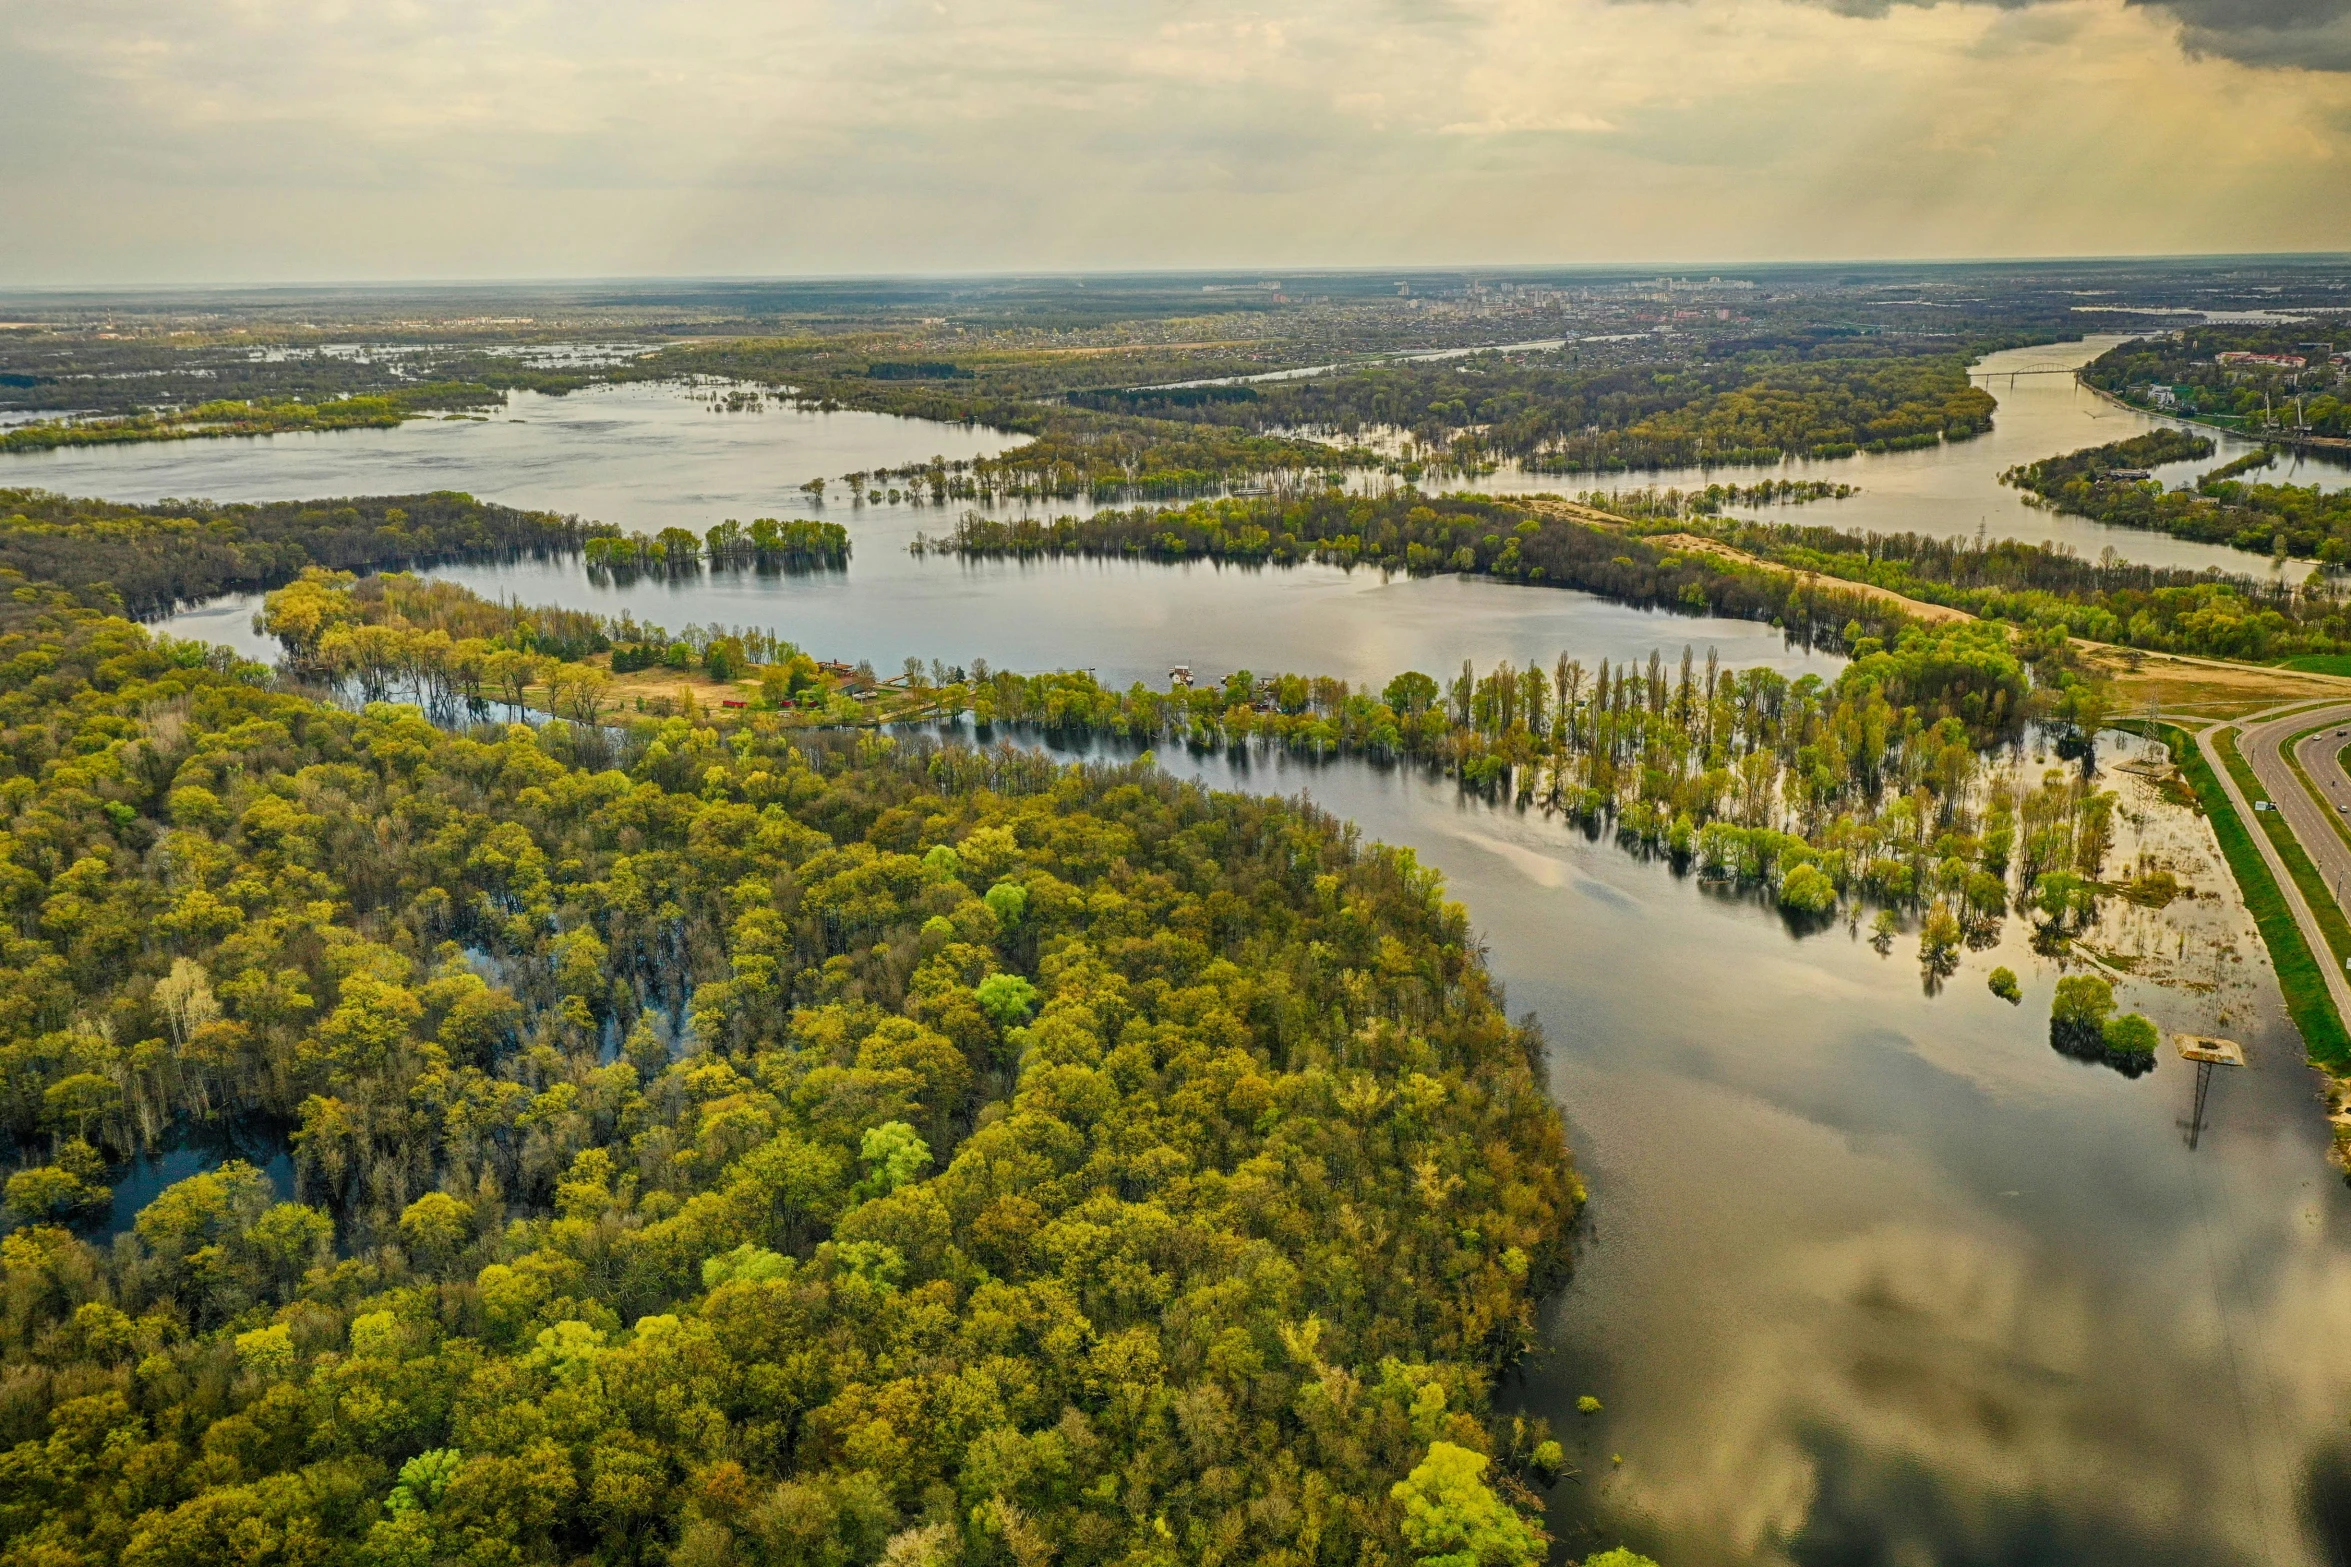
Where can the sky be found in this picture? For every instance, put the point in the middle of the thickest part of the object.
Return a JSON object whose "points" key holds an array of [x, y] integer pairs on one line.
{"points": [[347, 140]]}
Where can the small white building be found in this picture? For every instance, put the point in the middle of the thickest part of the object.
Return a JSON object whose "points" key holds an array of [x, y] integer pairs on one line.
{"points": [[2163, 396]]}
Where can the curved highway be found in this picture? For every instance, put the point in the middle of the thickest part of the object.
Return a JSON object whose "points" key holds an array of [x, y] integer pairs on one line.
{"points": [[2320, 756], [2260, 740]]}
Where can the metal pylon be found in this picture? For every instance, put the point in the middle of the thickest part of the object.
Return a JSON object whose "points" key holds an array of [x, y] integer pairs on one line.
{"points": [[2196, 1116]]}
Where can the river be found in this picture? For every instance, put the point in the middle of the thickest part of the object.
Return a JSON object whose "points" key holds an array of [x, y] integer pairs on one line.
{"points": [[1871, 1275], [1954, 489]]}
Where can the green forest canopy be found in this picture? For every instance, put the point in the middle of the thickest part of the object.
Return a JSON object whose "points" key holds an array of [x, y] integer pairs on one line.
{"points": [[1050, 1163]]}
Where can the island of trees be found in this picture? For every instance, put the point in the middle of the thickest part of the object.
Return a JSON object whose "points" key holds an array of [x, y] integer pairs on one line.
{"points": [[2112, 484], [146, 560], [1553, 413], [1513, 539], [1668, 549], [220, 416]]}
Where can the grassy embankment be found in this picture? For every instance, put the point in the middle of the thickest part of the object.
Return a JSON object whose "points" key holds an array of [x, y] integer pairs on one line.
{"points": [[2307, 1001]]}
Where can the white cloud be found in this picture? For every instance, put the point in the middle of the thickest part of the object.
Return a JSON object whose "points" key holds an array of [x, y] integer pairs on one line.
{"points": [[319, 138]]}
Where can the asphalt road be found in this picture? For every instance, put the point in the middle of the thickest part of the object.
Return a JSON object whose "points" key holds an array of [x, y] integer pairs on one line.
{"points": [[2318, 755], [2259, 742]]}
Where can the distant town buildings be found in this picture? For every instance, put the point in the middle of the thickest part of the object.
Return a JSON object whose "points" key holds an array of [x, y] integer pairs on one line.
{"points": [[2239, 359], [2163, 396]]}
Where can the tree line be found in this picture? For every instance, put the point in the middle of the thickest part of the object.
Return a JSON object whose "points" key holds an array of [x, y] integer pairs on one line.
{"points": [[459, 657], [1652, 502], [2042, 586], [1885, 785], [798, 544], [1555, 413], [104, 375]]}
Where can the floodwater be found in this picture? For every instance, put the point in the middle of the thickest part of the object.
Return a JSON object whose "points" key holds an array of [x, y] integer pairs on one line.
{"points": [[143, 1178], [1871, 1275], [647, 457], [642, 455]]}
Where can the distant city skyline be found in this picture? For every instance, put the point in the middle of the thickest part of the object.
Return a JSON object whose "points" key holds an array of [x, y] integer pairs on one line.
{"points": [[316, 140]]}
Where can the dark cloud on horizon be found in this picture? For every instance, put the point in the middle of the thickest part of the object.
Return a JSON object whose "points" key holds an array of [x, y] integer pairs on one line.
{"points": [[2310, 34]]}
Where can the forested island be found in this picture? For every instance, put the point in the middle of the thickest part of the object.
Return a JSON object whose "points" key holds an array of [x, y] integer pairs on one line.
{"points": [[1516, 539], [1665, 549], [779, 1149], [145, 560], [258, 416], [2111, 484], [1880, 787], [793, 544]]}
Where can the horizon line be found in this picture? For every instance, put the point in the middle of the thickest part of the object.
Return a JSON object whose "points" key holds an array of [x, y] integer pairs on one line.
{"points": [[1081, 275]]}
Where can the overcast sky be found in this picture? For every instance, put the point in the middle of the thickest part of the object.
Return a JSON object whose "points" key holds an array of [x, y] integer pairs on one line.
{"points": [[270, 140]]}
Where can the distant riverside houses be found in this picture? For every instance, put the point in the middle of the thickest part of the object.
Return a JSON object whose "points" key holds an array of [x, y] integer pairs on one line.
{"points": [[2163, 397], [2238, 357]]}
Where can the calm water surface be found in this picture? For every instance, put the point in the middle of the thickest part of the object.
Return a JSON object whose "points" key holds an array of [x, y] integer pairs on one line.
{"points": [[640, 455], [648, 458], [1871, 1275]]}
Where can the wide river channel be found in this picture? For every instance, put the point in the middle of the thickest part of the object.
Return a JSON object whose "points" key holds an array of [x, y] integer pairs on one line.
{"points": [[1870, 1274]]}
